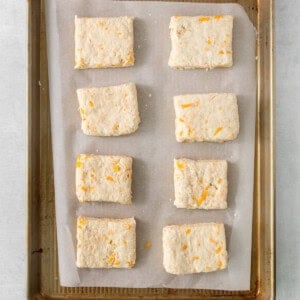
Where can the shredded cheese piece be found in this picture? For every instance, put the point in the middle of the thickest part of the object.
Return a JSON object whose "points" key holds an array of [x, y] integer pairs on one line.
{"points": [[218, 17], [203, 19], [109, 178], [218, 250], [218, 130], [188, 231], [147, 245], [180, 165], [184, 247], [203, 196]]}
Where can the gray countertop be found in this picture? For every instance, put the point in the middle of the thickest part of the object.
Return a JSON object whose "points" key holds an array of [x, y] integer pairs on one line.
{"points": [[13, 145]]}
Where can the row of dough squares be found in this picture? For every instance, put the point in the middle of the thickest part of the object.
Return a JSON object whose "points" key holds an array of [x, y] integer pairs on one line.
{"points": [[198, 184], [197, 42], [189, 248], [113, 111]]}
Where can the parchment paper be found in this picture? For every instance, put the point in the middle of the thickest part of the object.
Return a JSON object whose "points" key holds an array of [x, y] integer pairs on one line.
{"points": [[153, 146]]}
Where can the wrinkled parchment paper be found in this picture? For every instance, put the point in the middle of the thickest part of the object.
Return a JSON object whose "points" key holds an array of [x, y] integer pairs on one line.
{"points": [[153, 146]]}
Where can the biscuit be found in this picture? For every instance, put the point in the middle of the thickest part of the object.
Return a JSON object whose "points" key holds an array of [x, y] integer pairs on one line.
{"points": [[109, 111], [103, 42], [194, 248], [206, 117], [200, 183], [201, 42], [106, 243], [103, 178]]}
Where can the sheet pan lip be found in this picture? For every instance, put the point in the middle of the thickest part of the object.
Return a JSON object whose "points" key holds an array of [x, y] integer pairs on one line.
{"points": [[272, 186]]}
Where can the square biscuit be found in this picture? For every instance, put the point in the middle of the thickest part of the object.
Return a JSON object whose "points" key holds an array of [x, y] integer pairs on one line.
{"points": [[194, 248], [104, 42], [103, 178], [200, 183], [206, 117], [201, 42], [109, 111], [106, 243]]}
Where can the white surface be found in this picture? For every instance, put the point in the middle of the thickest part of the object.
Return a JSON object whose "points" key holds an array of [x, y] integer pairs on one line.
{"points": [[288, 148], [12, 162], [12, 156], [153, 146]]}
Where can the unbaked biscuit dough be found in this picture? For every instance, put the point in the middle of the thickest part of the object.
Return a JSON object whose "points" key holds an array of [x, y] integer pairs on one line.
{"points": [[200, 184], [103, 178], [106, 243], [206, 117], [201, 42], [194, 248], [104, 42], [109, 111]]}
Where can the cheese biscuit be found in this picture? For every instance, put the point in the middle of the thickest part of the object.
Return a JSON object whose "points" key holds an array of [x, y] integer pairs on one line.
{"points": [[206, 117], [109, 111], [103, 42], [194, 248], [201, 42], [106, 243], [103, 178], [200, 183]]}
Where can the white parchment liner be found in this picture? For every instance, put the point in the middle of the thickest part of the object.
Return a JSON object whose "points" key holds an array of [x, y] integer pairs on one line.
{"points": [[153, 146]]}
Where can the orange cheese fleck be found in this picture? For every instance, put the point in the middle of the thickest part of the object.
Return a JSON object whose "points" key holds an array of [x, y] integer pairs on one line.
{"points": [[186, 105], [116, 263], [195, 257], [218, 17], [83, 188], [181, 120], [218, 130], [188, 231], [111, 259], [203, 19], [203, 196], [81, 221], [208, 41], [91, 103], [116, 168], [218, 250], [184, 247], [221, 52], [147, 245], [115, 127], [78, 164], [219, 180], [211, 240], [109, 178], [220, 264], [180, 165]]}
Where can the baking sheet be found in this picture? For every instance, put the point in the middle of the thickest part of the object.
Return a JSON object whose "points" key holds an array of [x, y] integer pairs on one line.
{"points": [[153, 146]]}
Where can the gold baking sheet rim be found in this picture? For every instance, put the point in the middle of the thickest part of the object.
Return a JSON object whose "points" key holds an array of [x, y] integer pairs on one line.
{"points": [[42, 275]]}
